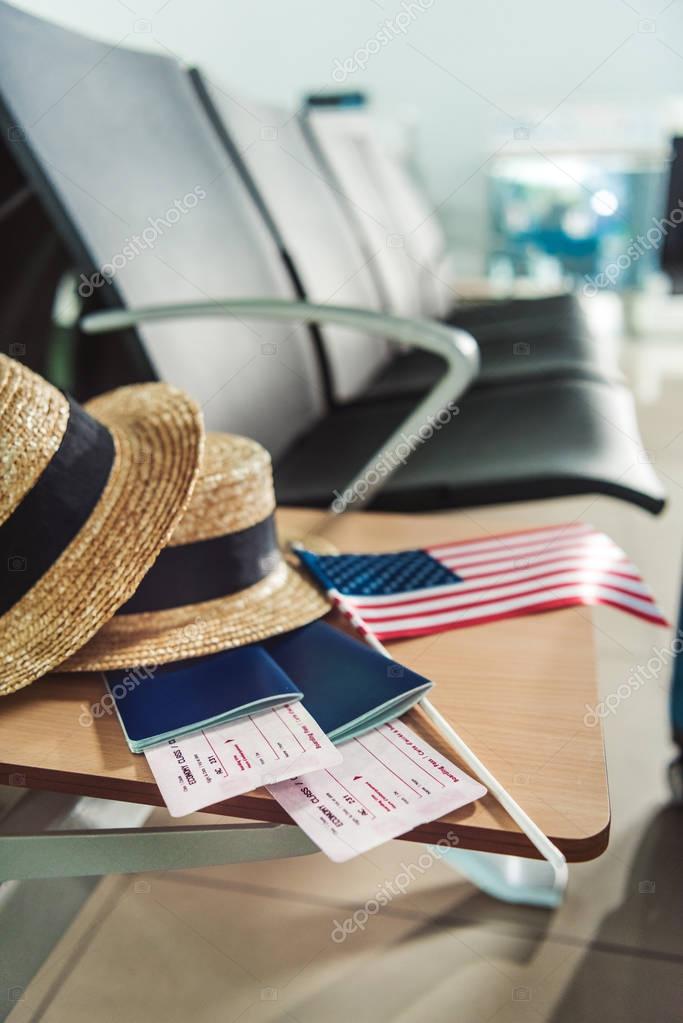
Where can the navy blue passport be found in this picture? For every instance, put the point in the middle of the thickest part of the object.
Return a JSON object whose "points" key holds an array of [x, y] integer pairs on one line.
{"points": [[189, 695], [348, 687]]}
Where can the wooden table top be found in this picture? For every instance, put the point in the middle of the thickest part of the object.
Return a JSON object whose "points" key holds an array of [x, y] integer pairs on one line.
{"points": [[515, 690]]}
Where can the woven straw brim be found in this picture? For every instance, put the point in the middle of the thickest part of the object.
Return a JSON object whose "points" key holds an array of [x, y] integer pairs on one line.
{"points": [[158, 437], [234, 490], [282, 601]]}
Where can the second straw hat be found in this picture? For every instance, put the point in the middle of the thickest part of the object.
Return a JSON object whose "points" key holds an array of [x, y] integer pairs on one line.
{"points": [[88, 497], [222, 582]]}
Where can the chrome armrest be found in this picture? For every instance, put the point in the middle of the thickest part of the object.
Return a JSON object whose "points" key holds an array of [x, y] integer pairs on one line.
{"points": [[457, 348]]}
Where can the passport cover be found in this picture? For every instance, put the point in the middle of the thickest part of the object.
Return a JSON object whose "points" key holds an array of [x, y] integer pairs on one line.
{"points": [[348, 687], [174, 699]]}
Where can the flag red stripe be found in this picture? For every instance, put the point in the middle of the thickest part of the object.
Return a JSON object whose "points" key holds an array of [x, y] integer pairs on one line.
{"points": [[494, 600], [457, 591], [550, 605]]}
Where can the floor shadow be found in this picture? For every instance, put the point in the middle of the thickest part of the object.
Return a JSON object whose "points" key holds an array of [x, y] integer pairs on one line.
{"points": [[633, 968]]}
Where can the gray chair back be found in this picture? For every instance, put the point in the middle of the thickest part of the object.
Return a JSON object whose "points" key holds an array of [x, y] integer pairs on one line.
{"points": [[386, 203], [391, 214], [130, 167], [308, 218]]}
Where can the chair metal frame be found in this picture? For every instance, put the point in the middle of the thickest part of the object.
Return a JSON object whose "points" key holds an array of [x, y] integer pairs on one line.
{"points": [[456, 347]]}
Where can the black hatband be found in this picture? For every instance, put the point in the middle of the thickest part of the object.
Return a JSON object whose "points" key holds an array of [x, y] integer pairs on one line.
{"points": [[55, 509]]}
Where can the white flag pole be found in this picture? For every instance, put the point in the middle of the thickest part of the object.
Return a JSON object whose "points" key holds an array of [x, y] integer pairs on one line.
{"points": [[536, 836]]}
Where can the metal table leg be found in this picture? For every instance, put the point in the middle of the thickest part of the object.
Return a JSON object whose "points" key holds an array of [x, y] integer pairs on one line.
{"points": [[132, 850], [509, 878]]}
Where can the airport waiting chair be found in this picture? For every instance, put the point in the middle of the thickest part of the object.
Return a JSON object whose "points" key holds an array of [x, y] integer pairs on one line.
{"points": [[308, 224], [562, 385], [390, 215], [540, 337], [305, 207], [144, 189], [153, 167]]}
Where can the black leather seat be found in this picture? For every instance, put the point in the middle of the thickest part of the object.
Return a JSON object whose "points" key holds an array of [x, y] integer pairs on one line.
{"points": [[546, 337], [538, 439], [518, 340]]}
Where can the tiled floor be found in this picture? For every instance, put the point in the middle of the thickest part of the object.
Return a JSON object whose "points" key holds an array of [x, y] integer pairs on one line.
{"points": [[254, 942]]}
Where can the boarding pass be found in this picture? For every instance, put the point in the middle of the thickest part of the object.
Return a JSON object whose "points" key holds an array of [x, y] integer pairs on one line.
{"points": [[205, 767], [388, 783]]}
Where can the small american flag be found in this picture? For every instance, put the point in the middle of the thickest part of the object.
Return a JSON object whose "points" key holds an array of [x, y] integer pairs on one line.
{"points": [[452, 585]]}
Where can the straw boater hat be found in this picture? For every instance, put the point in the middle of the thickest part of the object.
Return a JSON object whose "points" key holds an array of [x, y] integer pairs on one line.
{"points": [[221, 582], [88, 497]]}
